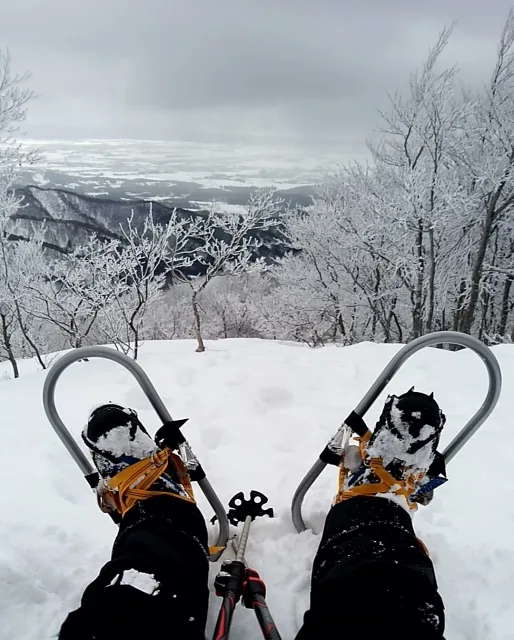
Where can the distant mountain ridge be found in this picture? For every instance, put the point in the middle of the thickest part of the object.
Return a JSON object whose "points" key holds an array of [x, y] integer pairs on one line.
{"points": [[70, 218]]}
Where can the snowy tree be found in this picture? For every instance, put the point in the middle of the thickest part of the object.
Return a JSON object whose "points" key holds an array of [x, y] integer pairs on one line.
{"points": [[18, 260], [70, 291], [487, 164], [227, 242], [14, 98], [138, 267], [232, 306], [169, 315], [13, 109], [421, 239], [418, 186]]}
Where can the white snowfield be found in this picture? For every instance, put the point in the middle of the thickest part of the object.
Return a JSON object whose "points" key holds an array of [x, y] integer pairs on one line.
{"points": [[260, 412]]}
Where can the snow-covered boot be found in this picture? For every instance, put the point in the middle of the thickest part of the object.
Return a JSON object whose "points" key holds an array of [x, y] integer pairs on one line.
{"points": [[131, 466], [400, 457]]}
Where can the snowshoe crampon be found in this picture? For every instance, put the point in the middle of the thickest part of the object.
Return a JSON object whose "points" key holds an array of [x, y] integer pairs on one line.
{"points": [[170, 434], [332, 453]]}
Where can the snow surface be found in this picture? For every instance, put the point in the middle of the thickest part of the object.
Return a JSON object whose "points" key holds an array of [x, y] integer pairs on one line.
{"points": [[145, 582], [259, 412], [211, 165]]}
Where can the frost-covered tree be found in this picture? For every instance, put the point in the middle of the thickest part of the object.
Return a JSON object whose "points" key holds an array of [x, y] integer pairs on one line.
{"points": [[233, 306], [226, 245], [14, 97], [486, 161], [169, 315], [418, 185], [69, 292], [138, 267], [421, 238], [18, 260]]}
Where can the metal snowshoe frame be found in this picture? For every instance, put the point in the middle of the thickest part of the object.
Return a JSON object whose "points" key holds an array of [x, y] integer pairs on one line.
{"points": [[191, 462], [469, 429]]}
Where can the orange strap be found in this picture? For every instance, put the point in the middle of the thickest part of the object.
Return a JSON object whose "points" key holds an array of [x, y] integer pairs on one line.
{"points": [[387, 484], [131, 484], [343, 471], [363, 441]]}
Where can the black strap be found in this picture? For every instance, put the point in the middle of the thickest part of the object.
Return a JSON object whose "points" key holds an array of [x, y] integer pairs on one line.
{"points": [[438, 466], [330, 457], [416, 446], [357, 424], [197, 474]]}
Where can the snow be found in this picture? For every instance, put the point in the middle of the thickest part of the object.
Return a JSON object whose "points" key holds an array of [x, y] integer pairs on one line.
{"points": [[115, 441], [260, 412], [211, 165], [221, 206], [145, 582], [388, 446]]}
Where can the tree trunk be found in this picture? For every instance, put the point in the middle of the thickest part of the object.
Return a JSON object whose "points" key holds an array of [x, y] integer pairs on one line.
{"points": [[417, 320], [8, 346], [376, 291], [482, 331], [25, 334], [340, 324], [431, 282], [394, 316], [505, 307], [198, 325], [459, 305], [224, 324], [468, 313], [136, 342]]}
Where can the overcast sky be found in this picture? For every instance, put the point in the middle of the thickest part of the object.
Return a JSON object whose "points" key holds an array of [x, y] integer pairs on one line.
{"points": [[200, 69]]}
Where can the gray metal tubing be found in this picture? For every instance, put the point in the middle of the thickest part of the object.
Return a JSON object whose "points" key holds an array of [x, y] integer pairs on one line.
{"points": [[441, 337], [243, 540], [146, 385]]}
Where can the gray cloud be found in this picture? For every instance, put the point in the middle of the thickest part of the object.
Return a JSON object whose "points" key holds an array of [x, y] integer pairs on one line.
{"points": [[189, 68]]}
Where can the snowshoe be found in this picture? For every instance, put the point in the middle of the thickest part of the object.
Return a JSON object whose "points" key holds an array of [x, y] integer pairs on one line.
{"points": [[172, 464], [131, 466], [400, 457], [354, 423]]}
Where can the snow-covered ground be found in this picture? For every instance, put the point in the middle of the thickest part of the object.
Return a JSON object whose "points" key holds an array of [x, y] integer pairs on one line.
{"points": [[259, 412]]}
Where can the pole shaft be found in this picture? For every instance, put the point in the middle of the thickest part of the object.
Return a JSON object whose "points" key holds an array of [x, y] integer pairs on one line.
{"points": [[243, 540], [222, 630], [265, 619]]}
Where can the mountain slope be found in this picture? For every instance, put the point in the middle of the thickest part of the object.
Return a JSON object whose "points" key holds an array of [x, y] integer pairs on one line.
{"points": [[259, 412], [69, 218]]}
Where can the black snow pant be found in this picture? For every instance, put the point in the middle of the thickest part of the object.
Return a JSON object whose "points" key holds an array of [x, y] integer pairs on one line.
{"points": [[371, 578]]}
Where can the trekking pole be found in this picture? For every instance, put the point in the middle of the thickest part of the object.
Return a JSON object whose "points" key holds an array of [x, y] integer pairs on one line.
{"points": [[229, 584], [254, 595], [235, 580]]}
